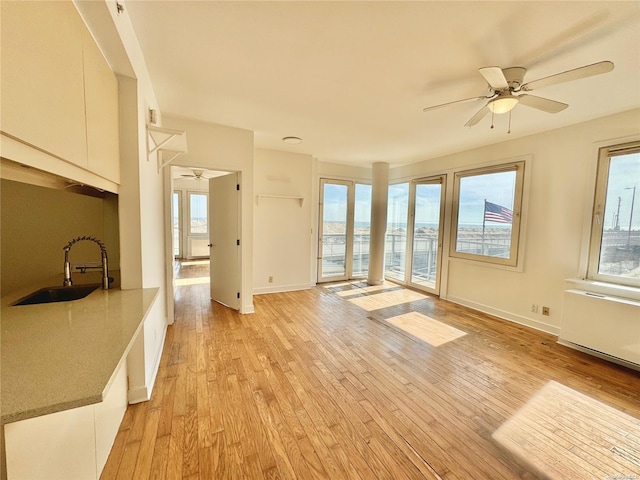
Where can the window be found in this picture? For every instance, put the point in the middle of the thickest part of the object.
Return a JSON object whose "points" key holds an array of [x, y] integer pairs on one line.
{"points": [[197, 213], [615, 234], [176, 205], [361, 230], [396, 240], [486, 219], [345, 221]]}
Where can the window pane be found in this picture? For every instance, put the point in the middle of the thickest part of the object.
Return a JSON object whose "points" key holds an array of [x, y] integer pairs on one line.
{"points": [[361, 231], [485, 214], [620, 245], [334, 230], [197, 213], [175, 213], [396, 241]]}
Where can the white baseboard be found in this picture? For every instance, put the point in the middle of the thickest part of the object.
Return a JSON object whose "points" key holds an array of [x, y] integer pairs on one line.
{"points": [[281, 288], [519, 319], [142, 393], [138, 394], [247, 309]]}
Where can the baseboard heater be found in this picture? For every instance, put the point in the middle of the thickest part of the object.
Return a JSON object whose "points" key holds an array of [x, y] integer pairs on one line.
{"points": [[604, 324]]}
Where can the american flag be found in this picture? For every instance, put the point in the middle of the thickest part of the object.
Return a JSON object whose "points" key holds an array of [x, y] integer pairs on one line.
{"points": [[497, 213]]}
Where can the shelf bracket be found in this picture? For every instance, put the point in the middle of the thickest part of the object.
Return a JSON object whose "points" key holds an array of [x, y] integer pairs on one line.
{"points": [[165, 140]]}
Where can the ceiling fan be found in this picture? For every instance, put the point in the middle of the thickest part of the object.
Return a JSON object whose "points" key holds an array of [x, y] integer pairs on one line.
{"points": [[196, 175], [505, 83]]}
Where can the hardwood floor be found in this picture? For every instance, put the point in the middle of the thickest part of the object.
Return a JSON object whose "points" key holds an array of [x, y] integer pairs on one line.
{"points": [[328, 383]]}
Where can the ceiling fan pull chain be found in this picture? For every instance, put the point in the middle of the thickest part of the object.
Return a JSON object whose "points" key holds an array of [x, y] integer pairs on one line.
{"points": [[492, 115], [509, 131]]}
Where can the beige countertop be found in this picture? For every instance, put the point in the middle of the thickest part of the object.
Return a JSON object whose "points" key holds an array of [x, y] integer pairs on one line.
{"points": [[58, 356]]}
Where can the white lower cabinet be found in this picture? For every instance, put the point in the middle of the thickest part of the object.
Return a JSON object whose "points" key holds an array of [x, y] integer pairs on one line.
{"points": [[67, 445], [109, 415]]}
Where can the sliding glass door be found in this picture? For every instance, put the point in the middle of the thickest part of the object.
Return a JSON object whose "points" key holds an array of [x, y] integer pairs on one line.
{"points": [[426, 234], [414, 233], [343, 244]]}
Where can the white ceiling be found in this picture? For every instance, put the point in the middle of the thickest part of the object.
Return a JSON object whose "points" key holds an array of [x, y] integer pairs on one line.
{"points": [[351, 78]]}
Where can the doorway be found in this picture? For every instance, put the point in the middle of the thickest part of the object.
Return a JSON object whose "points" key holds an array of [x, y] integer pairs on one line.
{"points": [[197, 201]]}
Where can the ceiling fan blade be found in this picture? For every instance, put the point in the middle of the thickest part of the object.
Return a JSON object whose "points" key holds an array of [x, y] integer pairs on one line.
{"points": [[569, 75], [544, 104], [494, 77], [477, 117], [433, 107]]}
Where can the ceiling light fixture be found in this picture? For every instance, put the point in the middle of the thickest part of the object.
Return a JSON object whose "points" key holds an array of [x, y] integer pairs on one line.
{"points": [[503, 103], [292, 140]]}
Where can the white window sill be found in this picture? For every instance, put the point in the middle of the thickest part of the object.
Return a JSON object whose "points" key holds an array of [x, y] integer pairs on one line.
{"points": [[603, 288]]}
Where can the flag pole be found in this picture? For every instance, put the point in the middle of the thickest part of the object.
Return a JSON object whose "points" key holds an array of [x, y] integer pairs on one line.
{"points": [[484, 215]]}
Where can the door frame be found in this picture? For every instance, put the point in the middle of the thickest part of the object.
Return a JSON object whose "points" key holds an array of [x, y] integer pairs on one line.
{"points": [[442, 181], [168, 241], [349, 230]]}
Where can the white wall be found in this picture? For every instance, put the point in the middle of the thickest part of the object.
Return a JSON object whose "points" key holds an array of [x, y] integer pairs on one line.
{"points": [[217, 147], [561, 175], [282, 227], [142, 229], [344, 172]]}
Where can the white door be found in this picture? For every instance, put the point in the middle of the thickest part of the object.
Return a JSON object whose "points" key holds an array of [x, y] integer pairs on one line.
{"points": [[224, 239]]}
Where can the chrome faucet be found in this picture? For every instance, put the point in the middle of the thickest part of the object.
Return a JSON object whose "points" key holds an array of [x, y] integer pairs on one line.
{"points": [[103, 254]]}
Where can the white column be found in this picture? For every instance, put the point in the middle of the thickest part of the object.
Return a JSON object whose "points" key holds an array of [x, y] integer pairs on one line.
{"points": [[379, 194]]}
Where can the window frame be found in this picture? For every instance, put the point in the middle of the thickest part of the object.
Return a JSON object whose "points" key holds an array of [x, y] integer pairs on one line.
{"points": [[605, 154], [178, 194], [189, 231], [515, 251]]}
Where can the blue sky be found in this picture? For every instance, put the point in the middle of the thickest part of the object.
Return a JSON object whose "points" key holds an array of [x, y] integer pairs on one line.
{"points": [[624, 174], [495, 187]]}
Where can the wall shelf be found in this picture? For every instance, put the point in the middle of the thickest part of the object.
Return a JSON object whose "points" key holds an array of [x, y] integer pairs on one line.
{"points": [[289, 197], [168, 140]]}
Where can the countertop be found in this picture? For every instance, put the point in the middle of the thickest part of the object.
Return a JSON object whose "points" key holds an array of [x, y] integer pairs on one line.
{"points": [[58, 356]]}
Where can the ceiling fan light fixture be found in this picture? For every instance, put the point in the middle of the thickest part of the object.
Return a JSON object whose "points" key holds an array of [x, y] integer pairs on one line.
{"points": [[503, 103]]}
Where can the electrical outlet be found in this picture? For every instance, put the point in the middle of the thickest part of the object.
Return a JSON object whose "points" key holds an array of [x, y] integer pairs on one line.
{"points": [[545, 311], [270, 279], [534, 308]]}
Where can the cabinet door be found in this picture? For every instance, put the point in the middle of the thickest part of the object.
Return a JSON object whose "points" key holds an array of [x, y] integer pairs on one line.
{"points": [[59, 446], [109, 415], [101, 97], [42, 77]]}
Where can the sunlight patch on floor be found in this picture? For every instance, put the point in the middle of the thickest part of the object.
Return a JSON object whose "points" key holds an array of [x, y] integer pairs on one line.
{"points": [[180, 282], [368, 289], [425, 328], [194, 262], [562, 433], [331, 286], [386, 299]]}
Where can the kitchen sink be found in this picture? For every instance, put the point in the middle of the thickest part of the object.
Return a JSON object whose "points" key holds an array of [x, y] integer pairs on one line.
{"points": [[57, 294]]}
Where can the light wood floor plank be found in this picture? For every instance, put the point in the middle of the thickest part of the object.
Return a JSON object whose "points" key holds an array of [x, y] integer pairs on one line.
{"points": [[319, 384]]}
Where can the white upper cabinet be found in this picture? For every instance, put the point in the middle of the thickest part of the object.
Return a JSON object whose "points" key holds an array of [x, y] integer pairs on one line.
{"points": [[59, 94], [42, 77], [101, 99]]}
